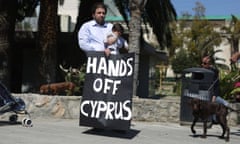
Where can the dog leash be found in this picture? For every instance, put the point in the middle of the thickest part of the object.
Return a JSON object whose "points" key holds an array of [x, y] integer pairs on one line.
{"points": [[211, 86]]}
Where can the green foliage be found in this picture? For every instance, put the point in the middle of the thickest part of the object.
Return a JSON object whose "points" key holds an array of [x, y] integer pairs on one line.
{"points": [[233, 31], [192, 40], [198, 38], [182, 61], [201, 38], [76, 76], [227, 80]]}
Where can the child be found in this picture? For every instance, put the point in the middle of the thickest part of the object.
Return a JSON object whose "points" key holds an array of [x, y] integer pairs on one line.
{"points": [[114, 40]]}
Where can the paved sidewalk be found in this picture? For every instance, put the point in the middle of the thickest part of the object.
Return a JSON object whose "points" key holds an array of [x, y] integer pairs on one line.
{"points": [[66, 131]]}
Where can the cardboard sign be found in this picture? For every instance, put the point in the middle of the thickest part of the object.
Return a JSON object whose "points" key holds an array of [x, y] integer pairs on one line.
{"points": [[107, 94]]}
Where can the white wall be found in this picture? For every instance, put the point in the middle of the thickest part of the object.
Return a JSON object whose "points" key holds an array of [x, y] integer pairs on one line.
{"points": [[70, 8]]}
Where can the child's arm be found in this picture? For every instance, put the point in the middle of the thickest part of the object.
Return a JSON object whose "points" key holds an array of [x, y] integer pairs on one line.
{"points": [[123, 45], [111, 38]]}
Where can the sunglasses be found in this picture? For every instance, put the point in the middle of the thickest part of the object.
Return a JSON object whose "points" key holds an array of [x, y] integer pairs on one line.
{"points": [[204, 63]]}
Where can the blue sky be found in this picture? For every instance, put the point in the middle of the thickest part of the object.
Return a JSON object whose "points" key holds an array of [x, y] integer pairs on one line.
{"points": [[213, 7]]}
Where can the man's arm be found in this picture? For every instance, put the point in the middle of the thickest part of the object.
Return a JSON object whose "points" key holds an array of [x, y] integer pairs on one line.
{"points": [[84, 38]]}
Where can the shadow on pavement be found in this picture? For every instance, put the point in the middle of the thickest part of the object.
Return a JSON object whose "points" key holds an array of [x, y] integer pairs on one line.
{"points": [[6, 123], [200, 136], [237, 133], [113, 133]]}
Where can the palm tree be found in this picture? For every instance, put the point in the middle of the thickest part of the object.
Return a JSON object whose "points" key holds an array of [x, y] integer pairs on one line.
{"points": [[47, 40], [233, 34], [134, 36], [10, 12]]}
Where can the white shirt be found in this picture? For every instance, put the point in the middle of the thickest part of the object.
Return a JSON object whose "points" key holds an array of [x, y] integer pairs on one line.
{"points": [[91, 35]]}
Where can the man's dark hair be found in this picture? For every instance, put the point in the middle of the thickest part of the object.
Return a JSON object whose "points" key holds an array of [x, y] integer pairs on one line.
{"points": [[99, 5], [118, 27]]}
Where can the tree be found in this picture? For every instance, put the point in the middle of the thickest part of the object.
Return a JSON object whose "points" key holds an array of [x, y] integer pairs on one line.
{"points": [[181, 61], [47, 40], [197, 36], [202, 38], [136, 8], [10, 12], [233, 34], [199, 10]]}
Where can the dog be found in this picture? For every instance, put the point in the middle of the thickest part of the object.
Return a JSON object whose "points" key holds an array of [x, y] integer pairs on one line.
{"points": [[56, 88], [205, 109]]}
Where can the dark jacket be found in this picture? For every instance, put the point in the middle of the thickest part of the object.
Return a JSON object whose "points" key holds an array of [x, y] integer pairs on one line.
{"points": [[216, 84]]}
